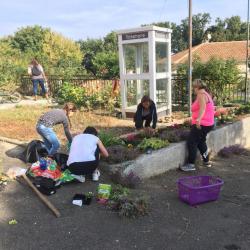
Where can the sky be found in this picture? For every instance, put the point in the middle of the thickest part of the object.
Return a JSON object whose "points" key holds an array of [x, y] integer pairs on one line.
{"points": [[81, 19]]}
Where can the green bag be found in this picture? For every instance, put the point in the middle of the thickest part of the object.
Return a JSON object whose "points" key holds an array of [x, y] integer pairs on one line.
{"points": [[104, 191]]}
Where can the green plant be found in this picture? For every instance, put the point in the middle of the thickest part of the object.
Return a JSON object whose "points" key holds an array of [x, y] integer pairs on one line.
{"points": [[74, 94], [109, 140], [89, 195], [118, 192], [243, 109], [153, 143]]}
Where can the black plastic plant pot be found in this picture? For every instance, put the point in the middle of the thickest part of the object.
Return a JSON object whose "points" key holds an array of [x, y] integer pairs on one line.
{"points": [[87, 200]]}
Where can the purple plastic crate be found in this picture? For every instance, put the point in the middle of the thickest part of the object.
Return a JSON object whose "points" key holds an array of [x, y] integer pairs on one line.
{"points": [[199, 189]]}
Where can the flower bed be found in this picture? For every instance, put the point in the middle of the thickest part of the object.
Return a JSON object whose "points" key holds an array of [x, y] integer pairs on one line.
{"points": [[131, 146]]}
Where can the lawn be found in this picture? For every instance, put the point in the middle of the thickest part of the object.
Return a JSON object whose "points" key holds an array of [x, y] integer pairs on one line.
{"points": [[20, 122]]}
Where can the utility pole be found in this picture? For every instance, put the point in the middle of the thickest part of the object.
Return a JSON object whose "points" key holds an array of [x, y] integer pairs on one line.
{"points": [[190, 60], [247, 54]]}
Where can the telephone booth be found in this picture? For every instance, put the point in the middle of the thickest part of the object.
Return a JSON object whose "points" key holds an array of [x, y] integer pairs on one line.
{"points": [[145, 68]]}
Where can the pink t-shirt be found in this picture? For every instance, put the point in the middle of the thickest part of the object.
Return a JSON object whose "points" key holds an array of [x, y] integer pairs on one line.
{"points": [[208, 117]]}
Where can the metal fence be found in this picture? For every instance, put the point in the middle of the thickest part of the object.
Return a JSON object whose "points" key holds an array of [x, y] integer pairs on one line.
{"points": [[55, 83], [227, 92]]}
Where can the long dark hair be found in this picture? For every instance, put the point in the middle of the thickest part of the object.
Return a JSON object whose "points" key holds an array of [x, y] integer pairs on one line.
{"points": [[68, 107], [146, 99]]}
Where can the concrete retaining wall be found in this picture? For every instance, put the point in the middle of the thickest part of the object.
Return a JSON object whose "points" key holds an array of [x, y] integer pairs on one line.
{"points": [[172, 157]]}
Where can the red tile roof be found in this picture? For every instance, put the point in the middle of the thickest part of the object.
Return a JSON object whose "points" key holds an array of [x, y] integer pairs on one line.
{"points": [[223, 50]]}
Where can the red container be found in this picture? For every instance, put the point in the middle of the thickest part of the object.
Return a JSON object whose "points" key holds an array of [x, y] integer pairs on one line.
{"points": [[199, 189]]}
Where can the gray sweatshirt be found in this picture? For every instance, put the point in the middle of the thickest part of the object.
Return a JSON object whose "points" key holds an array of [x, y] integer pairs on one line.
{"points": [[54, 117]]}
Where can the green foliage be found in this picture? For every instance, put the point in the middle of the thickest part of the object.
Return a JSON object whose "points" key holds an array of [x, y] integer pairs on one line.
{"points": [[243, 109], [153, 143], [122, 202], [57, 54], [219, 75], [100, 56], [30, 39], [118, 192], [107, 65], [109, 140], [78, 95], [74, 94]]}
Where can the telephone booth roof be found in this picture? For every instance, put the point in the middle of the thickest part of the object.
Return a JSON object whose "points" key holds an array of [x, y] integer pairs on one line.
{"points": [[144, 28]]}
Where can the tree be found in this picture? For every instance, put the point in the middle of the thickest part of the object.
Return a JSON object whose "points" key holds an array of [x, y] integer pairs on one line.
{"points": [[107, 65], [30, 38], [61, 56], [229, 29], [219, 74], [181, 32], [100, 56]]}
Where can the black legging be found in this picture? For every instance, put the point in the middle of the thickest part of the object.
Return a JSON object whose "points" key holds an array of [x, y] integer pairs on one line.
{"points": [[197, 140], [87, 167], [147, 119]]}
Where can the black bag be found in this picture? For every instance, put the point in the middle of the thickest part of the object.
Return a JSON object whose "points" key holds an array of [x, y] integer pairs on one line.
{"points": [[61, 160], [36, 71], [45, 185], [34, 151]]}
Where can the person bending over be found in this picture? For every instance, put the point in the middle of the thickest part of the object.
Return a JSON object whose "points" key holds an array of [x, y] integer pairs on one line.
{"points": [[84, 155], [145, 113], [51, 118], [202, 124]]}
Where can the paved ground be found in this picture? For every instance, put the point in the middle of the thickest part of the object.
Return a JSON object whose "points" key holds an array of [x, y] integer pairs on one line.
{"points": [[28, 102], [171, 224]]}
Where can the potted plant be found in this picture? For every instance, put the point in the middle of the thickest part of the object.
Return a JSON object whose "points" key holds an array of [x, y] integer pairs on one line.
{"points": [[88, 198]]}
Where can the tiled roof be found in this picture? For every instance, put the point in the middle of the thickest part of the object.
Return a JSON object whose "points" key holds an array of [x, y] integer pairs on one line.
{"points": [[223, 50]]}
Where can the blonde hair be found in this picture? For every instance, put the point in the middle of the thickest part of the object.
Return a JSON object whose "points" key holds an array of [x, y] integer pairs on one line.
{"points": [[69, 106], [198, 83]]}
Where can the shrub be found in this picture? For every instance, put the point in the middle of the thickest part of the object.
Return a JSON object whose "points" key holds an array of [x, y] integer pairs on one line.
{"points": [[74, 94], [126, 206], [226, 152], [243, 109], [153, 143]]}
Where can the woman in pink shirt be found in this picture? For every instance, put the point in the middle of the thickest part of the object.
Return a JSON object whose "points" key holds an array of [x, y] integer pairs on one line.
{"points": [[202, 124]]}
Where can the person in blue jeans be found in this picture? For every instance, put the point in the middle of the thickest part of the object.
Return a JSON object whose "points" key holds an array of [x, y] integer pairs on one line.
{"points": [[51, 118], [35, 70]]}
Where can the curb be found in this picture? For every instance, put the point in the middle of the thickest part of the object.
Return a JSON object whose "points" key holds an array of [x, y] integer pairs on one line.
{"points": [[13, 141]]}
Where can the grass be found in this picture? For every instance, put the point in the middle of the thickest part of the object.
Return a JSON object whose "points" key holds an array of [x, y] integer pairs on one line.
{"points": [[20, 123]]}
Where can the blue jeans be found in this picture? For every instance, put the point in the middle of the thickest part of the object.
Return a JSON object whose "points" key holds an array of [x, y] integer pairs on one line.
{"points": [[35, 85], [49, 137]]}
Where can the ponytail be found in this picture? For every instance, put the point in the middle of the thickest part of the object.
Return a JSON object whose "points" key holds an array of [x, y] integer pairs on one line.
{"points": [[68, 107]]}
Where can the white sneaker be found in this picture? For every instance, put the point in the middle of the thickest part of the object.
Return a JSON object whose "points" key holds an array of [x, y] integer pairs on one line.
{"points": [[80, 178], [96, 175], [188, 167]]}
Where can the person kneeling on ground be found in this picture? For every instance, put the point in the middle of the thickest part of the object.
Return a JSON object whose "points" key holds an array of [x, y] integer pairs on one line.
{"points": [[84, 155], [51, 118], [202, 124], [146, 111]]}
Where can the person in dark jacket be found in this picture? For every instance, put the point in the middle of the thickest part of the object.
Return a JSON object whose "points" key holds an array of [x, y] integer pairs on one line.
{"points": [[146, 111]]}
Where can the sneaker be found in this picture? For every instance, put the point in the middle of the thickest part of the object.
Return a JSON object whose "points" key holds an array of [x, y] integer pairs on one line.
{"points": [[188, 167], [207, 164], [80, 178], [96, 175]]}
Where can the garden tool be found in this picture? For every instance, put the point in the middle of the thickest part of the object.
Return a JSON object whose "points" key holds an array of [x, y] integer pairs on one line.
{"points": [[21, 172]]}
